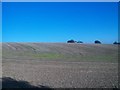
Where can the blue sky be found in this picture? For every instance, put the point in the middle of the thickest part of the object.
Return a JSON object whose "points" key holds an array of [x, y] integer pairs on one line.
{"points": [[0, 21], [59, 22]]}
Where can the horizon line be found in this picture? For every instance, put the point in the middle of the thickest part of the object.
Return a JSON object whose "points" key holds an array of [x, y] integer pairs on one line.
{"points": [[52, 42]]}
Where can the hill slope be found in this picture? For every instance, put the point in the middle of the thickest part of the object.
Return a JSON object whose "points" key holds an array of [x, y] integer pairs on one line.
{"points": [[59, 65], [60, 51]]}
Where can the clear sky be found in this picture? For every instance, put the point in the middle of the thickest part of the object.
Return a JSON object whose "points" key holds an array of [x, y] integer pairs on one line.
{"points": [[0, 22], [59, 22]]}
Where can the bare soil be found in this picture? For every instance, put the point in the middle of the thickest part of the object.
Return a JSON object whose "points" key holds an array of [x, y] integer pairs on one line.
{"points": [[59, 65]]}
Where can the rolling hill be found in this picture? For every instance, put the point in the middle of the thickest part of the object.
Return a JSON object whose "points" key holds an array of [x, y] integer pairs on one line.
{"points": [[60, 51], [59, 65]]}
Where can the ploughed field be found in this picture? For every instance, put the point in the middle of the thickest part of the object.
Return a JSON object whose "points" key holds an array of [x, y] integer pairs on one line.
{"points": [[59, 65]]}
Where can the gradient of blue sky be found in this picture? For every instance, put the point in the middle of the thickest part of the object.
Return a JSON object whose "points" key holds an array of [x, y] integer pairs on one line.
{"points": [[0, 22], [59, 22]]}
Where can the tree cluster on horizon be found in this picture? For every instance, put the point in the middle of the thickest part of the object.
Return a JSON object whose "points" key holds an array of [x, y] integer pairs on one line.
{"points": [[96, 42]]}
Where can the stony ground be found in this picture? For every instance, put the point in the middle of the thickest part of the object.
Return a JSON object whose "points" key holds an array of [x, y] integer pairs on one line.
{"points": [[54, 71]]}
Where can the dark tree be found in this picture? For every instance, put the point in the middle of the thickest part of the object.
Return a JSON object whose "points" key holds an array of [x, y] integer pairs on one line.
{"points": [[97, 42], [116, 43], [71, 41], [79, 42]]}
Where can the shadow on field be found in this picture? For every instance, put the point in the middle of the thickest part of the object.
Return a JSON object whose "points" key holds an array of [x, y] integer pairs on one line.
{"points": [[8, 82]]}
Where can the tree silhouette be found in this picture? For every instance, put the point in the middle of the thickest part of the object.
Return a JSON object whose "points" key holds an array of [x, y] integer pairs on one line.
{"points": [[71, 41], [97, 42], [116, 43], [79, 42]]}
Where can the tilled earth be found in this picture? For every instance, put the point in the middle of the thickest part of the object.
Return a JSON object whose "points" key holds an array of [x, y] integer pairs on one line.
{"points": [[55, 74], [59, 65]]}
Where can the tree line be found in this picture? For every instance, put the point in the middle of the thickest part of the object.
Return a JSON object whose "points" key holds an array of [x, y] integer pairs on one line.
{"points": [[96, 42]]}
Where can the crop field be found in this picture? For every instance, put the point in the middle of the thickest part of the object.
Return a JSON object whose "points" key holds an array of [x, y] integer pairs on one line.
{"points": [[59, 65]]}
